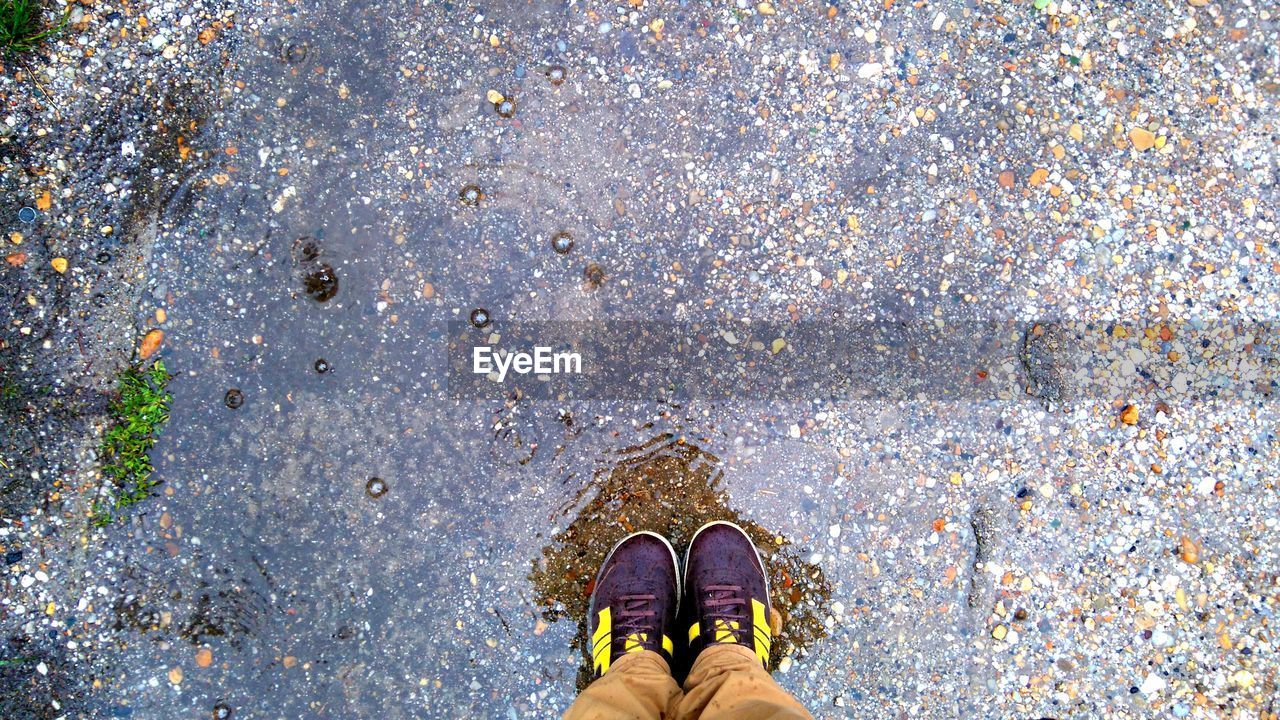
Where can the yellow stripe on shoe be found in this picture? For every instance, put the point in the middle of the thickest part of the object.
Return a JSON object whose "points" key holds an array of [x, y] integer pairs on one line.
{"points": [[634, 642], [763, 634], [726, 631], [601, 640], [694, 631], [667, 645]]}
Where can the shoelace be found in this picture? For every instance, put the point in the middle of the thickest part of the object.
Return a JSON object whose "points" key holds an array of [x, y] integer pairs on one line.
{"points": [[636, 615], [724, 600]]}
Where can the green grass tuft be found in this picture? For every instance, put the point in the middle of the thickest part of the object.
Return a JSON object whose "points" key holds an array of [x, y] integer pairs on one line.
{"points": [[137, 413], [9, 390], [22, 25]]}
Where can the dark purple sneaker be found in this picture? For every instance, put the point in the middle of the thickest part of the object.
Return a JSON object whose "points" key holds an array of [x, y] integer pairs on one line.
{"points": [[728, 599], [635, 600]]}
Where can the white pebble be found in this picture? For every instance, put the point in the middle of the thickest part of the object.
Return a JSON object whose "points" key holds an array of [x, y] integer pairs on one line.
{"points": [[1152, 684]]}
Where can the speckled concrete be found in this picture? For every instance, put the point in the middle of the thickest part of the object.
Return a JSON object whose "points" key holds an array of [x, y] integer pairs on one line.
{"points": [[1073, 517]]}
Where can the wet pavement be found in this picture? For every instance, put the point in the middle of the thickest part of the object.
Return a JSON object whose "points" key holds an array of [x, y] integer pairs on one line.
{"points": [[1040, 487]]}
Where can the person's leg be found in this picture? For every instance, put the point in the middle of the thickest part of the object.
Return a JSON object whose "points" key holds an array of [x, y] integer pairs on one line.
{"points": [[632, 620], [728, 682], [728, 630], [638, 686]]}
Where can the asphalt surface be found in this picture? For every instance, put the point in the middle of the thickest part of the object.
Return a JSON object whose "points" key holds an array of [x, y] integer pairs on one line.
{"points": [[1032, 477]]}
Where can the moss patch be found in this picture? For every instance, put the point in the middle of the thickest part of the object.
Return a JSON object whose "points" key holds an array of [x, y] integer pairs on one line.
{"points": [[139, 410]]}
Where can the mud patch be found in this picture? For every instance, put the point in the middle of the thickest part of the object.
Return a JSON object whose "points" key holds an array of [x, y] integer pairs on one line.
{"points": [[319, 279], [670, 486], [38, 683], [1044, 361]]}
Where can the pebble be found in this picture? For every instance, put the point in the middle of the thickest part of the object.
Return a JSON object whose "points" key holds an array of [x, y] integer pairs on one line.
{"points": [[1152, 684], [1141, 139]]}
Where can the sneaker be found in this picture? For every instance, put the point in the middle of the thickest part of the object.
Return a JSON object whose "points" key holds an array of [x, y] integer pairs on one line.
{"points": [[728, 589], [635, 600]]}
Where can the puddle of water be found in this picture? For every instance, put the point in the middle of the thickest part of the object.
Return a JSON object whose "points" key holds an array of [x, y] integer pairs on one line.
{"points": [[355, 206], [671, 486]]}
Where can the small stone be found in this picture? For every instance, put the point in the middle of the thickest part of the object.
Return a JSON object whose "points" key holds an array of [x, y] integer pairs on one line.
{"points": [[59, 264], [175, 676], [428, 291], [150, 343], [1141, 139], [204, 657], [765, 8], [1000, 632], [869, 71], [1129, 415], [1075, 132], [1152, 684], [1189, 551], [1006, 179]]}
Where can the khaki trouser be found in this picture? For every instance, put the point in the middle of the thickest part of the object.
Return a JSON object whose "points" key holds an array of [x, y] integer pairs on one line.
{"points": [[726, 683]]}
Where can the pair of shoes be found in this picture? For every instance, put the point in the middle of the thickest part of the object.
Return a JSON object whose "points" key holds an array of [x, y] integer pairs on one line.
{"points": [[640, 594]]}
